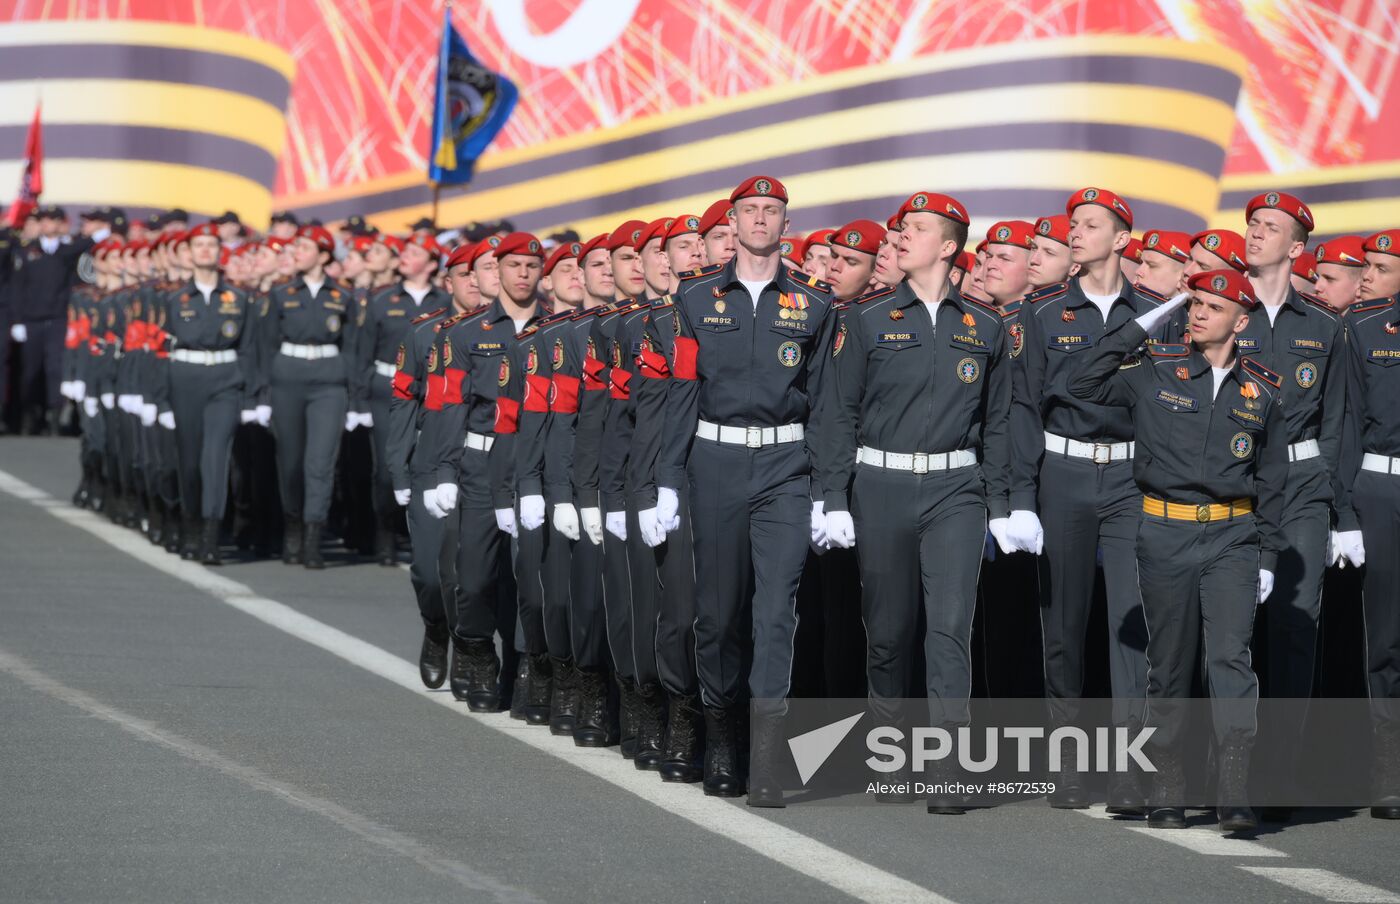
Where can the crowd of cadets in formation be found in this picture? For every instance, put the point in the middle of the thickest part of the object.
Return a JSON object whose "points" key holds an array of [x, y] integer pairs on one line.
{"points": [[628, 464]]}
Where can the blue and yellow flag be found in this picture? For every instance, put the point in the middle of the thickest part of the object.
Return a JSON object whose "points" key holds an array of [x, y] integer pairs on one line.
{"points": [[472, 105]]}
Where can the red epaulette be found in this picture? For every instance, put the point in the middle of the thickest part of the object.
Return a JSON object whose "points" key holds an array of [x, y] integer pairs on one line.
{"points": [[701, 271], [982, 304], [1374, 304], [809, 280], [1167, 349], [1259, 371], [428, 316], [1045, 293], [1318, 303], [873, 296], [1143, 290]]}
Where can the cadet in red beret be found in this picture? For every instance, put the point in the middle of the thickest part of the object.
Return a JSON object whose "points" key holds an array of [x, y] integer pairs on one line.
{"points": [[718, 232], [685, 249], [1164, 257], [816, 253], [962, 266], [626, 262], [1050, 262], [1278, 227], [562, 278], [1381, 277], [1304, 276], [887, 272], [1006, 268], [1214, 249], [853, 250], [596, 263], [759, 187], [1099, 238], [1286, 204], [1132, 257], [790, 246], [1340, 263], [656, 267]]}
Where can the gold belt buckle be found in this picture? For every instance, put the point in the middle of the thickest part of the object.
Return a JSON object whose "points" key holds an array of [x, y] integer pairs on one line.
{"points": [[1203, 513]]}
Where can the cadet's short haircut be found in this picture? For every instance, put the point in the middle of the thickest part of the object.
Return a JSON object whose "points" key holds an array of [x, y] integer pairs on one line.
{"points": [[954, 232], [1119, 224], [1298, 232]]}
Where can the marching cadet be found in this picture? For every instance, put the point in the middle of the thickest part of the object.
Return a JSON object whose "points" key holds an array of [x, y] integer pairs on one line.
{"points": [[1131, 259], [1163, 259], [409, 475], [744, 383], [305, 326], [971, 286], [717, 234], [1340, 263], [77, 345], [816, 253], [461, 438], [1212, 462], [579, 393], [1366, 514], [1074, 466], [1304, 276], [1302, 339], [926, 433], [854, 247], [887, 272], [211, 378], [383, 322], [1050, 262]]}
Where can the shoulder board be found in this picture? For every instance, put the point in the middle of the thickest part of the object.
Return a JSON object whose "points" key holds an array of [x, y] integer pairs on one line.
{"points": [[873, 296], [282, 282], [1259, 371], [1319, 304], [839, 306], [428, 316], [809, 280], [529, 331], [1044, 293], [556, 318], [1148, 293], [984, 306], [381, 291], [1011, 310], [701, 271], [1373, 304], [454, 320], [1167, 350], [636, 304], [665, 301]]}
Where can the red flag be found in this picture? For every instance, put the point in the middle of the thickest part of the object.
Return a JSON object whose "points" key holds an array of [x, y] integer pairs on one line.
{"points": [[31, 181]]}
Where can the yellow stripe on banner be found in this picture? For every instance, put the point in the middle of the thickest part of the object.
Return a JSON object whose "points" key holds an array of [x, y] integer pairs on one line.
{"points": [[1132, 106], [1213, 55], [138, 183], [150, 34], [184, 108], [1364, 217], [1363, 172]]}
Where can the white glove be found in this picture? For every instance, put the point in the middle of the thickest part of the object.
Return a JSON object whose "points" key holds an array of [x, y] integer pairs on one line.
{"points": [[1158, 315], [352, 420], [446, 496], [819, 525], [1334, 549], [366, 419], [79, 390], [90, 406], [668, 506], [129, 403], [19, 333], [840, 530], [566, 520], [65, 389], [1266, 585], [108, 400], [430, 503], [167, 420], [653, 534], [148, 414], [531, 512], [264, 415], [592, 521], [1024, 532], [997, 527], [617, 524], [403, 497], [505, 521], [247, 416], [1352, 548]]}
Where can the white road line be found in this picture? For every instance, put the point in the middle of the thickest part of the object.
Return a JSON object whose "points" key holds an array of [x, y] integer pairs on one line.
{"points": [[777, 842], [353, 822], [1325, 884], [1210, 842]]}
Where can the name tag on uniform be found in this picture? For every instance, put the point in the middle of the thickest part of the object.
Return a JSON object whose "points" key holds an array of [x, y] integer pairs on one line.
{"points": [[1312, 345], [1385, 354], [1070, 343], [395, 312], [1176, 401], [333, 305], [969, 341], [487, 346], [792, 326], [291, 304], [898, 341], [1247, 345], [716, 322], [1247, 417]]}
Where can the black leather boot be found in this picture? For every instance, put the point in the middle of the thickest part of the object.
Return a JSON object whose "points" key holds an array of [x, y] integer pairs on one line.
{"points": [[596, 723], [385, 551], [483, 675], [681, 761], [627, 716], [1070, 792], [292, 540], [172, 529], [651, 727], [312, 552], [520, 692], [539, 689], [765, 790], [189, 538], [209, 543], [1125, 794], [1166, 808], [459, 680], [722, 752], [1386, 774], [1232, 789], [563, 699], [940, 798], [432, 656], [156, 534]]}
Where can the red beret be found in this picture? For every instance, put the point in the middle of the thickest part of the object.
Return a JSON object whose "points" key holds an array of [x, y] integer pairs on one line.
{"points": [[1228, 284], [105, 247], [981, 246], [895, 223], [759, 187], [717, 214], [932, 202], [179, 238], [1055, 227], [362, 243], [224, 255], [1133, 250], [1101, 197], [685, 224], [519, 243], [1012, 232], [564, 251], [1387, 242], [392, 242], [1347, 250], [276, 243], [484, 247], [965, 261], [789, 246], [318, 234], [206, 229], [656, 229], [139, 245], [859, 235], [1175, 245], [426, 242], [598, 241], [462, 254], [627, 235], [1283, 201], [1306, 266], [820, 237], [1224, 244]]}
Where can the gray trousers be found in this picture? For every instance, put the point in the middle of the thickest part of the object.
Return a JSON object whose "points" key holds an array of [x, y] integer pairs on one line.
{"points": [[205, 402], [1377, 498], [588, 626], [307, 420], [425, 533]]}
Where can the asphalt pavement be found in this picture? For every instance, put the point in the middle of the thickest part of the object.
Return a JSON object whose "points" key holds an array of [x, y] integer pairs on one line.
{"points": [[258, 733]]}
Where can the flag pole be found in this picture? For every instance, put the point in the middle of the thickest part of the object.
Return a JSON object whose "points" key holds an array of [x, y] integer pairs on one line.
{"points": [[437, 186]]}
